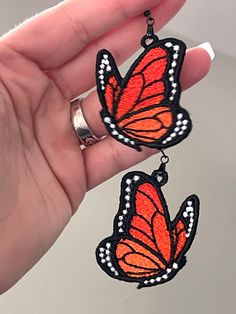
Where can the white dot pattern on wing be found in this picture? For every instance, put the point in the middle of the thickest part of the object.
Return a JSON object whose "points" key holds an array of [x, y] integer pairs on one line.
{"points": [[181, 125], [189, 212], [115, 133], [175, 55], [105, 255], [127, 206], [165, 276], [104, 66]]}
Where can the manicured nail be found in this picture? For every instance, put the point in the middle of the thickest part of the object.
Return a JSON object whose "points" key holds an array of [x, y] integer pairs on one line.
{"points": [[207, 46]]}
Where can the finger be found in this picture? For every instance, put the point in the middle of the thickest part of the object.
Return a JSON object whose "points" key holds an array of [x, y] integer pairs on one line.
{"points": [[196, 65], [109, 157], [121, 42], [60, 33]]}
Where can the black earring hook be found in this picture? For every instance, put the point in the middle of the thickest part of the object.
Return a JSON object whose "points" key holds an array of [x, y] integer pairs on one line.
{"points": [[161, 175], [150, 36]]}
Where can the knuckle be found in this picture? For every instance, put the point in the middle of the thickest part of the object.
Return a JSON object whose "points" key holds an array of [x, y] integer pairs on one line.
{"points": [[78, 26]]}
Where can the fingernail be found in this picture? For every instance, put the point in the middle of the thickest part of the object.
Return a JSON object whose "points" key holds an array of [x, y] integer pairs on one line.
{"points": [[208, 47]]}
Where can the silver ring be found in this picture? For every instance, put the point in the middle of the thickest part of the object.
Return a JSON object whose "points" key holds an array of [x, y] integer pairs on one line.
{"points": [[85, 135]]}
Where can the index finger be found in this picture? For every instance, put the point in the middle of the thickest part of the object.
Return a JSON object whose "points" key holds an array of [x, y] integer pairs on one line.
{"points": [[58, 34]]}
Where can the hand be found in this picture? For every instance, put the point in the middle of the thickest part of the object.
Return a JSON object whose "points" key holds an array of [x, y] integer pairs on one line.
{"points": [[44, 63]]}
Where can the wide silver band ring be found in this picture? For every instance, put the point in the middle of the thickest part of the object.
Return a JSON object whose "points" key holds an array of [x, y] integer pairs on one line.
{"points": [[85, 135]]}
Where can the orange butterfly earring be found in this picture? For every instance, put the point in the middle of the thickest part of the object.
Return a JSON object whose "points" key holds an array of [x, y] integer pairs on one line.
{"points": [[142, 109]]}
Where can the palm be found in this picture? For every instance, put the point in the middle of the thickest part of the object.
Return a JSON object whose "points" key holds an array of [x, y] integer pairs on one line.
{"points": [[44, 174], [45, 177]]}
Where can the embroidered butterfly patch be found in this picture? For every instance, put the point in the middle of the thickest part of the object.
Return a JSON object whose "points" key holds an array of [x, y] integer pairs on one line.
{"points": [[146, 246], [143, 107]]}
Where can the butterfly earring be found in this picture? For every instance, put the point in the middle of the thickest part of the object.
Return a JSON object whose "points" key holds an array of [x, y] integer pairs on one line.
{"points": [[142, 109]]}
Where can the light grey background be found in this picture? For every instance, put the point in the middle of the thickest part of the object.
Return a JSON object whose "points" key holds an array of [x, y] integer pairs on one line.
{"points": [[67, 279]]}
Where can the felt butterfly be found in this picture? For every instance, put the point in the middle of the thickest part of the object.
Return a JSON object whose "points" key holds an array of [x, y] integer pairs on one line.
{"points": [[146, 246], [143, 107]]}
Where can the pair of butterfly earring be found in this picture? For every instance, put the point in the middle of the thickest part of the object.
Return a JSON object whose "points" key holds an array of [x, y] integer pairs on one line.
{"points": [[142, 109]]}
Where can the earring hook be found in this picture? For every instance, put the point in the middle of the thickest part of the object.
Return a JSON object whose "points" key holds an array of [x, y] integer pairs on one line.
{"points": [[150, 36]]}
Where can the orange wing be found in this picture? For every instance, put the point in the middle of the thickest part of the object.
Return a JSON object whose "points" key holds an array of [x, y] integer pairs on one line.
{"points": [[179, 234], [149, 224], [184, 225], [111, 93], [146, 246], [135, 260], [143, 107], [148, 126], [145, 85], [150, 247], [138, 110], [134, 102]]}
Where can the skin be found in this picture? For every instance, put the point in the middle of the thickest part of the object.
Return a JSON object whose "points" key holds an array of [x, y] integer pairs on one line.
{"points": [[44, 175]]}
